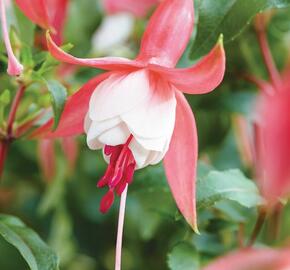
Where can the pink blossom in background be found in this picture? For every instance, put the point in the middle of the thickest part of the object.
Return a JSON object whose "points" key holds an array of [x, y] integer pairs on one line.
{"points": [[253, 259], [47, 155], [71, 150], [138, 8], [270, 137], [46, 158], [273, 145]]}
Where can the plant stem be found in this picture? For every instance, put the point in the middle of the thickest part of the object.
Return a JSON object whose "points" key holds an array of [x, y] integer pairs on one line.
{"points": [[275, 222], [4, 143], [3, 154], [267, 56], [241, 234], [120, 229], [259, 224], [13, 110]]}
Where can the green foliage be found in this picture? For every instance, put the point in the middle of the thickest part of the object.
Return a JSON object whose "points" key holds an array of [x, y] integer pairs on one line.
{"points": [[59, 95], [228, 185], [36, 253], [227, 17], [183, 257], [4, 101]]}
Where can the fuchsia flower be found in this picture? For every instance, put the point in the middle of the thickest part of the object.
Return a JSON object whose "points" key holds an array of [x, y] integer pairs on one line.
{"points": [[269, 142], [137, 113], [253, 259], [48, 15], [273, 144], [137, 8]]}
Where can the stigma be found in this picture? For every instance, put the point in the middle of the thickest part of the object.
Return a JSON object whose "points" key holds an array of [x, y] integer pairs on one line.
{"points": [[119, 173]]}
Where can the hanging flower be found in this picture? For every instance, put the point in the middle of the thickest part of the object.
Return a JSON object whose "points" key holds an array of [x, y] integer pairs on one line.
{"points": [[137, 113], [137, 8]]}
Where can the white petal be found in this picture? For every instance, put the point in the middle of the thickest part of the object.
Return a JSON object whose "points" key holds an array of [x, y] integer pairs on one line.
{"points": [[94, 144], [92, 141], [115, 136], [106, 158], [98, 127], [152, 156], [140, 154], [87, 123], [157, 158], [154, 144], [114, 31], [155, 117], [119, 94]]}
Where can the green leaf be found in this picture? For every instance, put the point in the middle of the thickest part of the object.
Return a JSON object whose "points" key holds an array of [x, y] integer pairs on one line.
{"points": [[26, 57], [59, 95], [5, 97], [183, 257], [227, 185], [47, 62], [228, 17], [35, 252]]}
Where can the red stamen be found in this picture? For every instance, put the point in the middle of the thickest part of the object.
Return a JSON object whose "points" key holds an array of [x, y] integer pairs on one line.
{"points": [[118, 174], [116, 178], [121, 187], [107, 201], [109, 150], [130, 172]]}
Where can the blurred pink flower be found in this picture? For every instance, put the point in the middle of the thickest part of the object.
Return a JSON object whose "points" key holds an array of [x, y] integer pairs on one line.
{"points": [[138, 8], [272, 144], [253, 259], [46, 158], [47, 155], [137, 112]]}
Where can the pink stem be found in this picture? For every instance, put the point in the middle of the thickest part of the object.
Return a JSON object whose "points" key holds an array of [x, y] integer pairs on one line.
{"points": [[13, 110], [14, 67], [120, 229], [268, 58], [3, 154], [261, 84]]}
